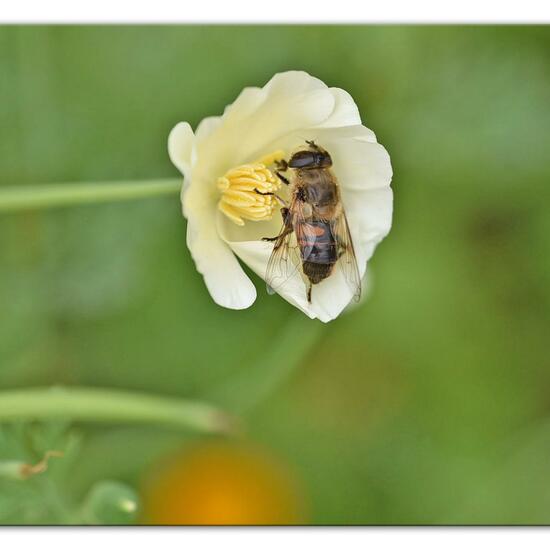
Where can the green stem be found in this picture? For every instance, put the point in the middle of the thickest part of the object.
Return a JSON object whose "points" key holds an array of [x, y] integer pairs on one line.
{"points": [[52, 195], [100, 405]]}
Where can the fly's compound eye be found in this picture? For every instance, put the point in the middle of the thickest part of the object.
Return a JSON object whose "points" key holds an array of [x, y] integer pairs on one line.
{"points": [[310, 159], [323, 160], [304, 159]]}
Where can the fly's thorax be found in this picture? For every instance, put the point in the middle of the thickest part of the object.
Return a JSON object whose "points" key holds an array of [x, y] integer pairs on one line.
{"points": [[318, 191], [328, 211]]}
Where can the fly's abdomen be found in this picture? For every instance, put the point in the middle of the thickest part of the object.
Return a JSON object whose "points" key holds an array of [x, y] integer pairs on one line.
{"points": [[317, 248]]}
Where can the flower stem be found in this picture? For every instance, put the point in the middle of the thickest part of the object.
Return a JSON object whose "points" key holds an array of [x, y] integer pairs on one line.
{"points": [[52, 195], [102, 405]]}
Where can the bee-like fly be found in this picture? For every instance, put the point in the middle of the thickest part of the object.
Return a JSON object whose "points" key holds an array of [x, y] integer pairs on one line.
{"points": [[315, 216]]}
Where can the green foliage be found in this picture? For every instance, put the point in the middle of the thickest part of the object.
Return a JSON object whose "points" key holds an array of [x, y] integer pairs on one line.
{"points": [[44, 496], [40, 498]]}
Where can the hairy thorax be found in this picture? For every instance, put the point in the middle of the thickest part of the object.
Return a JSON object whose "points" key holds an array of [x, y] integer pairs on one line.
{"points": [[318, 191]]}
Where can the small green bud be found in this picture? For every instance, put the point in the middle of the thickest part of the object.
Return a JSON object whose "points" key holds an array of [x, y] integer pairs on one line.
{"points": [[110, 503]]}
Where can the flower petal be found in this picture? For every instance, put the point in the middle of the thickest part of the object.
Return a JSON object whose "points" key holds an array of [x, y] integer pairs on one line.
{"points": [[245, 105], [206, 127], [256, 255], [181, 146], [288, 102], [225, 279], [361, 165], [345, 112], [369, 215], [294, 100], [291, 83]]}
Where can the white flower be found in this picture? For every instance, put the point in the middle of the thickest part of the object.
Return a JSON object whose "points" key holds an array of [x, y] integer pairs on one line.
{"points": [[226, 219]]}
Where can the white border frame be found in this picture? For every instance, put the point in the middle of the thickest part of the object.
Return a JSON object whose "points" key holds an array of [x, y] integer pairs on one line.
{"points": [[282, 11], [228, 538]]}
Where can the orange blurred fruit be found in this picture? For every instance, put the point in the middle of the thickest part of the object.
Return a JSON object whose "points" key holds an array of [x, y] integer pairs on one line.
{"points": [[222, 483]]}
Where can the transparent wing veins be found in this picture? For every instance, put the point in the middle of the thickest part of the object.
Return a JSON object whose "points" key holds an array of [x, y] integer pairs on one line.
{"points": [[285, 260], [347, 259]]}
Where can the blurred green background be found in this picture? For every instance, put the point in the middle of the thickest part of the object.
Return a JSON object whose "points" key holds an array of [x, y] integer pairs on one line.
{"points": [[429, 404]]}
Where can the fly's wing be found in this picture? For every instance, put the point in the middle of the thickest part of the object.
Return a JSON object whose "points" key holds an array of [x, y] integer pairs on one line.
{"points": [[346, 255], [285, 260]]}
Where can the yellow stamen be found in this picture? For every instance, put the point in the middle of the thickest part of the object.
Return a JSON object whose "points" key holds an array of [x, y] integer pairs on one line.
{"points": [[242, 189]]}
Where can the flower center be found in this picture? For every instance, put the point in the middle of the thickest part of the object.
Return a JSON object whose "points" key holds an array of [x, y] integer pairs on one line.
{"points": [[242, 189]]}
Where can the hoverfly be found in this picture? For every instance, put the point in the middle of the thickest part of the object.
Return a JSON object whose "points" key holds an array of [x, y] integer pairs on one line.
{"points": [[315, 216]]}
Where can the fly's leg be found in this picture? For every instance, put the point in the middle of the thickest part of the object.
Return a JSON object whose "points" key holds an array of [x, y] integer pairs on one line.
{"points": [[282, 166], [284, 213], [280, 200], [282, 178], [287, 230], [309, 292]]}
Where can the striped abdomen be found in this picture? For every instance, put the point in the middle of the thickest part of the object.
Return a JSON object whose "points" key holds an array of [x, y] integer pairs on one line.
{"points": [[317, 248]]}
